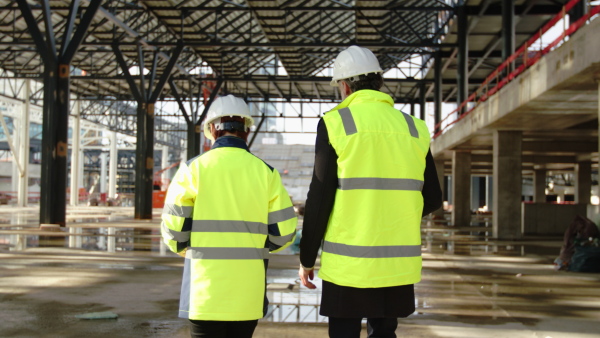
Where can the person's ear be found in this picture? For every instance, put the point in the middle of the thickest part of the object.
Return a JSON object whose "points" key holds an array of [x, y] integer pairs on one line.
{"points": [[213, 131], [344, 89]]}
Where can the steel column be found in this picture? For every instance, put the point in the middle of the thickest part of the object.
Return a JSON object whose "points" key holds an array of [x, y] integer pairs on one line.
{"points": [[583, 186], [54, 146], [75, 152], [439, 166], [539, 186], [112, 167], [103, 172], [508, 29], [461, 188], [462, 58], [165, 163], [56, 102], [144, 161], [24, 145], [144, 151], [193, 140], [437, 94], [422, 102]]}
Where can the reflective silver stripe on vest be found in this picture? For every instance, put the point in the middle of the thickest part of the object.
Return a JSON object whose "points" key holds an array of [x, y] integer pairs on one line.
{"points": [[281, 215], [348, 121], [411, 125], [229, 226], [372, 251], [376, 183], [176, 210], [179, 236], [226, 253], [281, 240]]}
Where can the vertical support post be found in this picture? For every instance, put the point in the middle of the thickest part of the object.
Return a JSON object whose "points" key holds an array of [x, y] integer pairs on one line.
{"points": [[462, 75], [508, 29], [193, 140], [439, 166], [165, 163], [539, 186], [75, 153], [56, 103], [412, 107], [437, 76], [112, 166], [422, 100], [461, 188], [103, 171], [489, 192], [54, 145], [15, 150], [24, 144], [80, 182], [507, 184], [475, 191], [583, 186], [144, 161]]}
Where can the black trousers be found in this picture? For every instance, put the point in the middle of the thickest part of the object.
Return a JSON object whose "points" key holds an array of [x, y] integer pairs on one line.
{"points": [[222, 329], [350, 327]]}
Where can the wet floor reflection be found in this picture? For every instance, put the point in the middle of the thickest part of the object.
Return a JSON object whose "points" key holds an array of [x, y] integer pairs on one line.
{"points": [[290, 302], [466, 272]]}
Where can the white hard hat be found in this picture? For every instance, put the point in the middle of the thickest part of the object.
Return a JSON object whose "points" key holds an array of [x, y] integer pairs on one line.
{"points": [[227, 106], [354, 61]]}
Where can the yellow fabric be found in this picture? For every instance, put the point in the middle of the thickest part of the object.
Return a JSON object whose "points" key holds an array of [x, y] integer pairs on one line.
{"points": [[225, 184], [382, 147]]}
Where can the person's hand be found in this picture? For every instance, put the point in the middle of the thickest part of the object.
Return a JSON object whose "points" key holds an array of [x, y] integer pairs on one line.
{"points": [[306, 275], [182, 253]]}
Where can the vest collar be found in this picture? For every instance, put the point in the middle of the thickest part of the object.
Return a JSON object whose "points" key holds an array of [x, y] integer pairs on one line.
{"points": [[365, 95], [230, 141]]}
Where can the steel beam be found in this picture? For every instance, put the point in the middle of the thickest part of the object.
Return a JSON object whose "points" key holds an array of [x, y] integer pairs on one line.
{"points": [[262, 120], [462, 58], [145, 128], [437, 76], [577, 11], [215, 90], [193, 131], [508, 28]]}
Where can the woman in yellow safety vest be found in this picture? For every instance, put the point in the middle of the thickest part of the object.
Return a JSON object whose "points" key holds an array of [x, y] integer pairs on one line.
{"points": [[225, 210]]}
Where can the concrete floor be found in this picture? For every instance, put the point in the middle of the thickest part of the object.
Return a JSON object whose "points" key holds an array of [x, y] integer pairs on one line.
{"points": [[472, 286]]}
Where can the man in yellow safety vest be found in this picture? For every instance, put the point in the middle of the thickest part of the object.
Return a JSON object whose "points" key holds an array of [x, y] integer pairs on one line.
{"points": [[226, 210], [374, 179]]}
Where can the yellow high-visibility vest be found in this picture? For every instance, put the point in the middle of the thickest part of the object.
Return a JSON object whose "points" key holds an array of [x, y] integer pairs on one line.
{"points": [[373, 236], [229, 209]]}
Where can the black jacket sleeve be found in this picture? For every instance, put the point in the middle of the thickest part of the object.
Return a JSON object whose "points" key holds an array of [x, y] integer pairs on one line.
{"points": [[321, 194], [432, 191]]}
